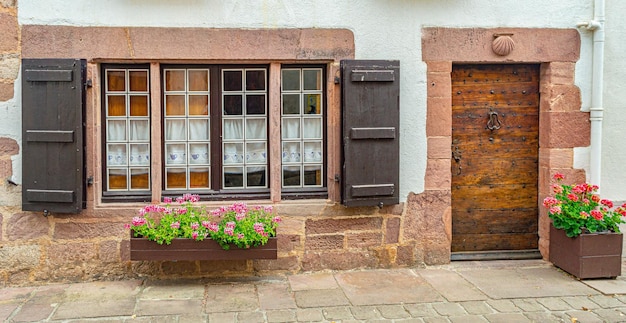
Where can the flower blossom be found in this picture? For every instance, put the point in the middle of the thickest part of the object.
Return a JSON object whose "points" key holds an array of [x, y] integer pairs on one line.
{"points": [[606, 202], [230, 225], [229, 231], [259, 228], [175, 225], [550, 201], [572, 197], [240, 235], [167, 200], [139, 221], [558, 176], [558, 189], [555, 209], [194, 235], [596, 214], [276, 219], [195, 226], [584, 214]]}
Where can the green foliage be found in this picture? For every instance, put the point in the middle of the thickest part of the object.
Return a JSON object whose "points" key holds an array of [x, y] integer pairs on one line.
{"points": [[577, 209]]}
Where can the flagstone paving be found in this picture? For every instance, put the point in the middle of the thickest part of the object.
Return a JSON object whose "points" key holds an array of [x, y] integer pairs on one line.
{"points": [[489, 291]]}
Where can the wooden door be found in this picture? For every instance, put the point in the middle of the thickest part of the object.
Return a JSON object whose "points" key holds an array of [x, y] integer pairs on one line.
{"points": [[495, 144]]}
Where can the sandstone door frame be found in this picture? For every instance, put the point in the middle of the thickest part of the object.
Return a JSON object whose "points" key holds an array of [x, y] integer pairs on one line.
{"points": [[562, 126]]}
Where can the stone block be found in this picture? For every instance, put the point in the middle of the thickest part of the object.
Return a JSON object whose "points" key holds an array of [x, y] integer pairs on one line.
{"points": [[561, 98], [73, 230], [342, 225], [324, 242], [291, 225], [179, 267], [439, 117], [6, 169], [348, 260], [439, 66], [6, 91], [438, 175], [363, 240], [15, 258], [125, 250], [311, 261], [64, 254], [392, 234], [290, 263], [108, 251], [439, 85], [395, 209], [7, 3], [558, 73], [8, 32], [8, 147], [217, 266], [439, 147], [564, 129], [25, 226], [9, 66], [289, 242], [339, 210], [556, 158]]}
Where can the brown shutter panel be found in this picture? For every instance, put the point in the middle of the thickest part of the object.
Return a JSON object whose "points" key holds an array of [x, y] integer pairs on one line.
{"points": [[53, 96], [371, 111]]}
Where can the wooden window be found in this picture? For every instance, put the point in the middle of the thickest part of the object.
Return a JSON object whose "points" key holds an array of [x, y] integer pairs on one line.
{"points": [[302, 127], [127, 129], [214, 137]]}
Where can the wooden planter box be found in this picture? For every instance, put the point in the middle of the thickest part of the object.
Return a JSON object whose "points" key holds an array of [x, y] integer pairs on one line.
{"points": [[187, 249], [593, 255]]}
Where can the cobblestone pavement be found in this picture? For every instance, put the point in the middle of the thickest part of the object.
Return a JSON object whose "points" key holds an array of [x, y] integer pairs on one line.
{"points": [[489, 291]]}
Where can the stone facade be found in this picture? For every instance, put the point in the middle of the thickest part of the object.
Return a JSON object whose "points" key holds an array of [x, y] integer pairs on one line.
{"points": [[315, 235]]}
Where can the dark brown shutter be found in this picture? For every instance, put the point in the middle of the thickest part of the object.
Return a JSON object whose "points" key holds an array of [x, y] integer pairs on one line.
{"points": [[370, 105], [53, 96]]}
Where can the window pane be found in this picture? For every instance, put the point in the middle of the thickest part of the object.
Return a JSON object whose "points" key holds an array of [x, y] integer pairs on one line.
{"points": [[139, 178], [174, 105], [116, 130], [313, 152], [199, 153], [291, 152], [199, 129], [291, 80], [175, 129], [233, 105], [233, 80], [256, 153], [139, 105], [175, 80], [139, 130], [312, 79], [117, 179], [313, 175], [256, 129], [199, 177], [255, 177], [175, 154], [116, 154], [255, 80], [140, 154], [312, 104], [291, 176], [116, 105], [233, 153], [175, 178], [198, 80], [312, 128], [138, 81], [255, 104], [291, 103], [116, 81], [233, 129], [291, 128], [233, 177], [198, 105]]}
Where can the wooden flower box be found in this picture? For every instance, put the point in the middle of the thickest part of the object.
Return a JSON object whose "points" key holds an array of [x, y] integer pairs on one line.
{"points": [[591, 255], [187, 249]]}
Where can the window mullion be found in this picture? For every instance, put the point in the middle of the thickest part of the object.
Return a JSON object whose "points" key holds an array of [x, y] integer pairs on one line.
{"points": [[156, 135], [274, 139]]}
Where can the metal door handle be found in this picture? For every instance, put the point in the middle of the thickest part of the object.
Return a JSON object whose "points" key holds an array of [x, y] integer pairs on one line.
{"points": [[493, 123]]}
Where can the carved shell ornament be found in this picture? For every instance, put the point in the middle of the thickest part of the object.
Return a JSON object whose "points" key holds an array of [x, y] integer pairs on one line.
{"points": [[503, 44]]}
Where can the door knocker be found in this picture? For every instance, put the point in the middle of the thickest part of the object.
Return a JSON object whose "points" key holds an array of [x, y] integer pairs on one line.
{"points": [[493, 123]]}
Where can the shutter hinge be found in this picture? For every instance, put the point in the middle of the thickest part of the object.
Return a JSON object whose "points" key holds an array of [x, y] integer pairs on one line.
{"points": [[89, 180], [89, 83], [337, 179]]}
